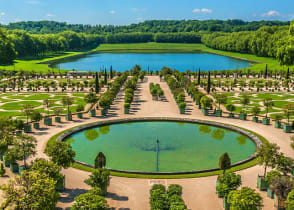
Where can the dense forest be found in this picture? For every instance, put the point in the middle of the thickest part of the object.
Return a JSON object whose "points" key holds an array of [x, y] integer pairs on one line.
{"points": [[271, 39], [151, 26], [268, 41]]}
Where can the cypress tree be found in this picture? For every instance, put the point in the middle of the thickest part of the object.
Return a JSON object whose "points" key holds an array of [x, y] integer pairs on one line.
{"points": [[96, 83], [224, 162], [199, 76], [265, 72], [208, 83], [288, 73], [105, 77], [100, 161], [111, 74]]}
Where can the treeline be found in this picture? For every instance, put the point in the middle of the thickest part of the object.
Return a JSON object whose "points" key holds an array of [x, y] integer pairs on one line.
{"points": [[268, 41], [19, 43], [151, 26]]}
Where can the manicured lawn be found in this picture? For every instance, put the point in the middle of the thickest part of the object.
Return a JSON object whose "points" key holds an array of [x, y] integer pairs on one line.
{"points": [[19, 105]]}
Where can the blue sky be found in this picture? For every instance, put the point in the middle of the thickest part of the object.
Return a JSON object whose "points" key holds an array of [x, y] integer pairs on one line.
{"points": [[122, 12]]}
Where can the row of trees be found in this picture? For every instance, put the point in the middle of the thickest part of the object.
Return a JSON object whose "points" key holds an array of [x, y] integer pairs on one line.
{"points": [[154, 26], [268, 41]]}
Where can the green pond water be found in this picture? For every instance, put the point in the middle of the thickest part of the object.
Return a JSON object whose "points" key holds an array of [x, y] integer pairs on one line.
{"points": [[181, 146]]}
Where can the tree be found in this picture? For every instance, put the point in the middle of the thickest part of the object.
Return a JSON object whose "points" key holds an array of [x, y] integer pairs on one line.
{"points": [[245, 100], [268, 103], [93, 199], [282, 186], [221, 99], [255, 110], [60, 153], [231, 107], [267, 155], [67, 101], [208, 83], [227, 183], [2, 170], [174, 189], [91, 98], [47, 167], [26, 147], [48, 103], [244, 199], [198, 81], [111, 73], [27, 111], [31, 190], [224, 162], [290, 200], [100, 160], [206, 102], [36, 116], [105, 77], [7, 50], [265, 72], [285, 164], [99, 178], [288, 111], [96, 83]]}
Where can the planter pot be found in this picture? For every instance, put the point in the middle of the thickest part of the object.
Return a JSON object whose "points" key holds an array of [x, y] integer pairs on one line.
{"points": [[278, 125], [154, 97], [20, 169], [280, 204], [27, 128], [18, 133], [182, 110], [92, 113], [205, 112], [126, 110], [266, 121], [58, 119], [36, 125], [60, 184], [48, 121], [6, 162], [68, 117], [242, 116], [218, 113], [14, 167], [287, 128], [261, 183], [255, 119], [231, 115], [270, 193], [226, 205], [80, 115], [104, 111]]}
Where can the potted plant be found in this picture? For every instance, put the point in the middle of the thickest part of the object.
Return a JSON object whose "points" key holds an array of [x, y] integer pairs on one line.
{"points": [[288, 111], [2, 170], [27, 111], [268, 178], [36, 117], [182, 107], [255, 111], [244, 101], [48, 120], [205, 104], [268, 103], [57, 112], [11, 156], [231, 108], [127, 108], [92, 99], [67, 101], [80, 108], [220, 99], [105, 104], [277, 119], [19, 125]]}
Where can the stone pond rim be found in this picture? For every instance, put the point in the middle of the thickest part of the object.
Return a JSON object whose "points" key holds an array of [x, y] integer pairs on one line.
{"points": [[246, 133]]}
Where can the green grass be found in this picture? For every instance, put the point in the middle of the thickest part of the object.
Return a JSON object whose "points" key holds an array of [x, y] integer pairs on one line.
{"points": [[33, 63], [196, 175], [19, 105]]}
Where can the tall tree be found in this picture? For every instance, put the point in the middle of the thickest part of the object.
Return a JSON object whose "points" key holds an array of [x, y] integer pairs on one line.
{"points": [[208, 83], [99, 178], [96, 83], [198, 83], [105, 77], [224, 162], [111, 73], [100, 160], [265, 72]]}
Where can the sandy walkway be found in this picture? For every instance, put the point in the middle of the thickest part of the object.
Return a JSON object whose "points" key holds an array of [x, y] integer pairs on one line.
{"points": [[126, 193]]}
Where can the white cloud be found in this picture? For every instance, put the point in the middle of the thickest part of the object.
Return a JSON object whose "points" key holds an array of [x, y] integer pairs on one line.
{"points": [[2, 14], [271, 13], [33, 2], [203, 10], [50, 15], [139, 19], [112, 12]]}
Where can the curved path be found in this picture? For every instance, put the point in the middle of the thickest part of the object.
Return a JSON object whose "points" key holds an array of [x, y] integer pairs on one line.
{"points": [[133, 193]]}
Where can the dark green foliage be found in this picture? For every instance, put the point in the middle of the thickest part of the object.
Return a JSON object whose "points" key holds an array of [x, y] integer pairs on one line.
{"points": [[7, 52], [99, 178], [96, 83], [227, 183], [224, 162], [100, 160]]}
